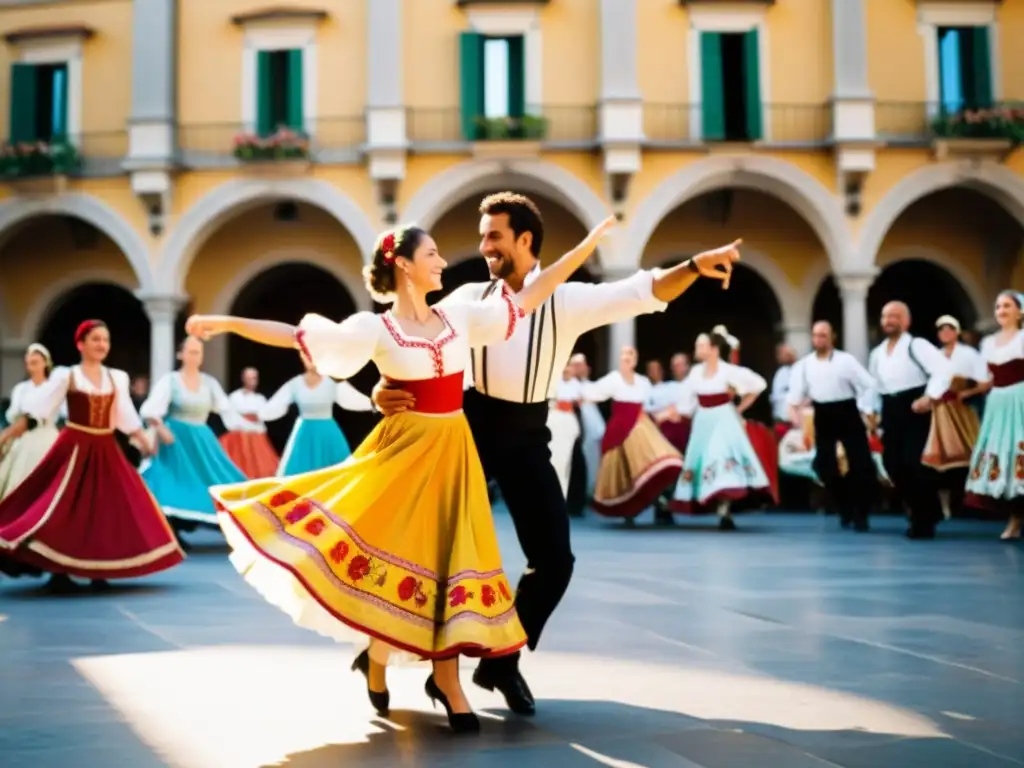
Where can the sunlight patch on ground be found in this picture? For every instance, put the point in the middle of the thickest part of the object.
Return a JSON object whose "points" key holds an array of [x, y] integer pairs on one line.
{"points": [[245, 706]]}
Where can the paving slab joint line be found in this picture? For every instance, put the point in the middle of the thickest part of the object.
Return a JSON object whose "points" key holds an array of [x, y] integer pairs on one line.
{"points": [[147, 628]]}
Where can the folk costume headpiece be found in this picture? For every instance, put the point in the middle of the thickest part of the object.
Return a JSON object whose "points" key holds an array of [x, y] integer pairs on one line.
{"points": [[85, 328]]}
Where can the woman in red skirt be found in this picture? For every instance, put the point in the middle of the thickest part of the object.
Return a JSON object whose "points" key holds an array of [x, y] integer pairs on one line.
{"points": [[84, 511]]}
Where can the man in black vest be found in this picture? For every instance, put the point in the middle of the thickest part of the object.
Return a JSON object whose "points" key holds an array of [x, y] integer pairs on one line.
{"points": [[507, 408]]}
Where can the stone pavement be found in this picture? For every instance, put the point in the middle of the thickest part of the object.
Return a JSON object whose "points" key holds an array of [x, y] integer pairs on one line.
{"points": [[788, 644]]}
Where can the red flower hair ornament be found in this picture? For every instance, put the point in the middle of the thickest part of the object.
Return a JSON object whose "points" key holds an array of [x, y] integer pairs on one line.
{"points": [[387, 247], [84, 328]]}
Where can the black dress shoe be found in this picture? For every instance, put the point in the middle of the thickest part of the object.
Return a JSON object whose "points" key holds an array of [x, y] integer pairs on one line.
{"points": [[459, 722], [380, 700], [514, 688]]}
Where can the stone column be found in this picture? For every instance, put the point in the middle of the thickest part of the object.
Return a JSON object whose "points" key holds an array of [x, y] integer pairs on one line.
{"points": [[12, 363], [854, 103], [799, 338], [152, 142], [620, 335], [163, 312], [385, 103], [621, 117], [853, 288]]}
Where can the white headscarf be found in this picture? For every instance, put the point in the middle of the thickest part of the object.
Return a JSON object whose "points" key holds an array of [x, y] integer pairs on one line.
{"points": [[39, 349]]}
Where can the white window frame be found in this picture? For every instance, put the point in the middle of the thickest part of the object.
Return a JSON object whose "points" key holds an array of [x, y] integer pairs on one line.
{"points": [[511, 23], [274, 36], [931, 16], [65, 50], [737, 18]]}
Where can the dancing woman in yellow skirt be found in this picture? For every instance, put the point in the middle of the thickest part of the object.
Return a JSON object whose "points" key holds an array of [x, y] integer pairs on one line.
{"points": [[397, 542]]}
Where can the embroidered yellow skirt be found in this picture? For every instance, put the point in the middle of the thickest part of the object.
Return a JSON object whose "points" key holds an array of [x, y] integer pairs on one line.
{"points": [[396, 543]]}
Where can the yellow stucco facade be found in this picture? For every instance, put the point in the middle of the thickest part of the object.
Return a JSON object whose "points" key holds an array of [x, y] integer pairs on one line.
{"points": [[808, 200]]}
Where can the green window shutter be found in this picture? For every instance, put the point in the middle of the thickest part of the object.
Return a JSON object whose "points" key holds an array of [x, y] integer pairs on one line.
{"points": [[471, 82], [264, 95], [516, 78], [295, 116], [752, 85], [60, 103], [713, 93], [23, 103], [980, 71]]}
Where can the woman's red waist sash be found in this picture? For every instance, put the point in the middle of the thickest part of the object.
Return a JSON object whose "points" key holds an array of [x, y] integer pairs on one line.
{"points": [[565, 405], [713, 401], [1007, 374], [440, 395]]}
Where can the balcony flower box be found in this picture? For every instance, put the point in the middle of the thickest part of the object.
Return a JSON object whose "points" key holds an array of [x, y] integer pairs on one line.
{"points": [[509, 136], [38, 168], [283, 153], [981, 133]]}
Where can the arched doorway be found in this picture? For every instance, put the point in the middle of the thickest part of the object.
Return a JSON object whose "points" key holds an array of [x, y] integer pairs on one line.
{"points": [[117, 307], [261, 297], [930, 292], [749, 309]]}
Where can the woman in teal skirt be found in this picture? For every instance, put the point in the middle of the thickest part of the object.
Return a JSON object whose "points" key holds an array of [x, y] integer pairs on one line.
{"points": [[316, 440], [189, 459], [996, 480]]}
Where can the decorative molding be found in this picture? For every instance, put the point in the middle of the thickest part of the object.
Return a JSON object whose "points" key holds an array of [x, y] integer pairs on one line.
{"points": [[301, 34], [525, 22], [64, 32], [932, 14], [65, 49], [233, 197], [727, 17], [280, 13]]}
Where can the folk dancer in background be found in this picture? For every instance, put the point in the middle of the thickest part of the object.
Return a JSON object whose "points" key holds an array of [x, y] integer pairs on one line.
{"points": [[248, 445], [84, 510], [189, 459], [592, 422], [996, 480], [912, 375], [661, 407], [316, 441], [564, 425], [721, 466], [513, 381], [785, 357], [842, 393], [955, 424], [24, 453], [637, 463]]}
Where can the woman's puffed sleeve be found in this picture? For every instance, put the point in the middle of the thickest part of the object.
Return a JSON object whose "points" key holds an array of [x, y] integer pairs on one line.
{"points": [[158, 402], [43, 402], [492, 319], [339, 350]]}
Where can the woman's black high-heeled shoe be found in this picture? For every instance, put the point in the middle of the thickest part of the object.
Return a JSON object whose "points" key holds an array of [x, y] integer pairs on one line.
{"points": [[459, 722], [381, 701]]}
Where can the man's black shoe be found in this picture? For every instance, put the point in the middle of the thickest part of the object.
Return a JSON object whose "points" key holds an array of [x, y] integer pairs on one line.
{"points": [[514, 689]]}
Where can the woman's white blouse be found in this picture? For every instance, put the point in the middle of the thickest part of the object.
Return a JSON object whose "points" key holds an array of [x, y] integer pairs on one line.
{"points": [[340, 350], [45, 401], [170, 397], [613, 386], [23, 392], [314, 402], [728, 378], [999, 354]]}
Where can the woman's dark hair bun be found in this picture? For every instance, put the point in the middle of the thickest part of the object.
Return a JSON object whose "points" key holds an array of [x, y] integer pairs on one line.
{"points": [[379, 274]]}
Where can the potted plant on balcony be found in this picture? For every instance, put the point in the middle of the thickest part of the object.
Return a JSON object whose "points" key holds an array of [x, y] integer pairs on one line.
{"points": [[978, 132], [40, 166], [283, 151], [509, 136]]}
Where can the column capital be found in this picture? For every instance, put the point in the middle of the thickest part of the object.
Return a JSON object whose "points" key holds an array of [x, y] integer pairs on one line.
{"points": [[855, 284], [161, 306]]}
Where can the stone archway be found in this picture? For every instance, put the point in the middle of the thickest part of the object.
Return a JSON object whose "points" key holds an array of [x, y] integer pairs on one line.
{"points": [[235, 197], [819, 207]]}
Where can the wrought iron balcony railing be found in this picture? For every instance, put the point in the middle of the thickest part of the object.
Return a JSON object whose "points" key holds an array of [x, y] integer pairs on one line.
{"points": [[794, 125], [324, 140], [86, 154], [556, 126], [919, 123]]}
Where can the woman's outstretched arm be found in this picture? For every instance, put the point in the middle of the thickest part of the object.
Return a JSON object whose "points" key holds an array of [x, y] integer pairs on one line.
{"points": [[269, 332]]}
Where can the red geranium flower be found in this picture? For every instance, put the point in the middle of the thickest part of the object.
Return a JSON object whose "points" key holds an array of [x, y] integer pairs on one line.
{"points": [[358, 567]]}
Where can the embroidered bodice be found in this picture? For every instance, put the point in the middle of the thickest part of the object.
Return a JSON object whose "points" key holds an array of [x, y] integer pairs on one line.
{"points": [[23, 392], [613, 386], [172, 398], [340, 350], [107, 406], [725, 381], [1005, 361], [314, 402]]}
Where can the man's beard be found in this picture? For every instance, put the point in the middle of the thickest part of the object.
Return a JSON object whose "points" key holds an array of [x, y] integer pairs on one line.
{"points": [[501, 267]]}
